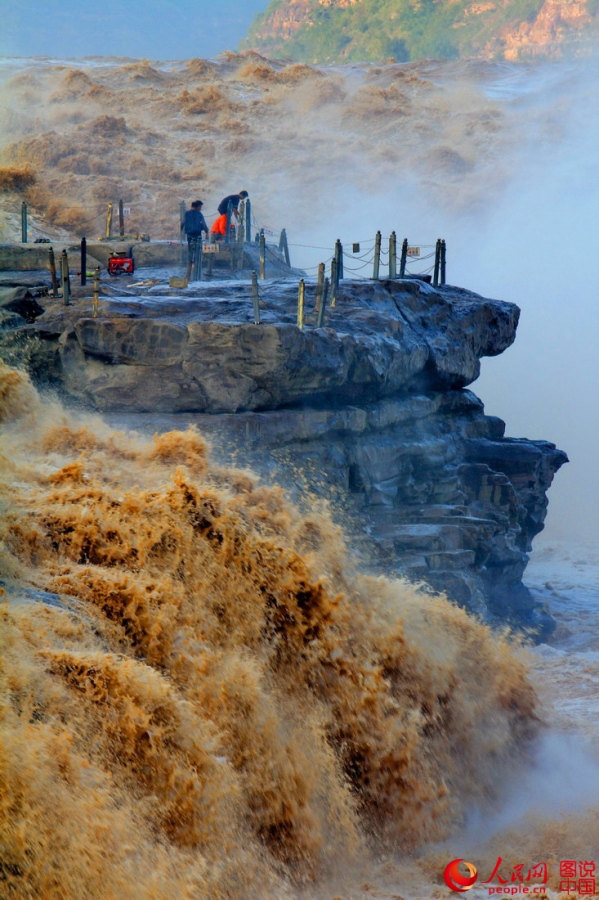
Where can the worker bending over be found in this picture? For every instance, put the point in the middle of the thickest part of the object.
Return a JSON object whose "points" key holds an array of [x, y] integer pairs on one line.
{"points": [[227, 208]]}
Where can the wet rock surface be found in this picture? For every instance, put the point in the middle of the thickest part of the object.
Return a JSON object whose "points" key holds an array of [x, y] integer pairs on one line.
{"points": [[369, 411], [202, 352]]}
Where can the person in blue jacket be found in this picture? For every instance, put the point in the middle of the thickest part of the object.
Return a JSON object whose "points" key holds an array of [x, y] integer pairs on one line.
{"points": [[194, 224]]}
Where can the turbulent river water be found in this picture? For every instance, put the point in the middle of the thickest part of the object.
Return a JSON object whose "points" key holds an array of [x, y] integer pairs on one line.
{"points": [[200, 697]]}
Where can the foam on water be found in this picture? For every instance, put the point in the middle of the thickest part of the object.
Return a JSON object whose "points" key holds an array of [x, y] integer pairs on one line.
{"points": [[193, 672]]}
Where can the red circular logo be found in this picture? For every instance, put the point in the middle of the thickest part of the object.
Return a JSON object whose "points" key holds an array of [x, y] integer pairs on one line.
{"points": [[454, 878]]}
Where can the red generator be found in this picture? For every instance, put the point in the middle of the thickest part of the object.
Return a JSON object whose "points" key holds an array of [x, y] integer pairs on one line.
{"points": [[120, 265]]}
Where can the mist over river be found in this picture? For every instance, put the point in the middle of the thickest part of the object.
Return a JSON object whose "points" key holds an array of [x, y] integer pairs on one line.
{"points": [[271, 723]]}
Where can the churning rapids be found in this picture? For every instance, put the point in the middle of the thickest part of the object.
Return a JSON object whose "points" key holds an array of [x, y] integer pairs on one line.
{"points": [[200, 697]]}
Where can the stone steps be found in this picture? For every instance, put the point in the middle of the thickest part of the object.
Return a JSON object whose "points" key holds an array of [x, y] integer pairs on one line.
{"points": [[421, 565]]}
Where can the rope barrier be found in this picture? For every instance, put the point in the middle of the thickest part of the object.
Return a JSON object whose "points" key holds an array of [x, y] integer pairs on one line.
{"points": [[309, 246], [358, 269]]}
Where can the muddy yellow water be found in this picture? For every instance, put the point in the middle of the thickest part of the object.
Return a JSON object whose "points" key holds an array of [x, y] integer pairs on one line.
{"points": [[199, 696]]}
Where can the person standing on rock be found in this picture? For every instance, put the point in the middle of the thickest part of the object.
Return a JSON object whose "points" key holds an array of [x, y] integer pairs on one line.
{"points": [[227, 208], [194, 224]]}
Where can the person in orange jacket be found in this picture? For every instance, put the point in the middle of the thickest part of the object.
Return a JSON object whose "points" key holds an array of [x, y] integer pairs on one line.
{"points": [[218, 232]]}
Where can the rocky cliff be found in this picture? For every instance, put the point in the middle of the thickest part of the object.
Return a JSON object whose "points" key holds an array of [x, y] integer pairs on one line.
{"points": [[370, 411], [318, 31]]}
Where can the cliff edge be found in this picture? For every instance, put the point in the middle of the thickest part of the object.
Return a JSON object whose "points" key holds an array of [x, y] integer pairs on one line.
{"points": [[370, 411]]}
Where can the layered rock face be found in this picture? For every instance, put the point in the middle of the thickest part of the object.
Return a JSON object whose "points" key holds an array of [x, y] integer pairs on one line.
{"points": [[370, 411]]}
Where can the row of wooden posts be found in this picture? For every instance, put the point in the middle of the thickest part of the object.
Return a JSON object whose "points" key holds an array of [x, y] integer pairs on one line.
{"points": [[244, 234], [439, 269], [65, 279], [326, 288], [246, 213], [195, 259], [107, 231], [109, 215]]}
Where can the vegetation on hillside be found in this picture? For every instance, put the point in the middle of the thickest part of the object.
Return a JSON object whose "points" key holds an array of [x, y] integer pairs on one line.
{"points": [[381, 29]]}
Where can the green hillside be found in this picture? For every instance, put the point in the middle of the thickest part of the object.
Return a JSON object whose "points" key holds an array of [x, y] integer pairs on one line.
{"points": [[329, 31]]}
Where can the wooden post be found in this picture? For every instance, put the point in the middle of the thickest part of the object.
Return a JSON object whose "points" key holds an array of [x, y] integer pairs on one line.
{"points": [[404, 257], [240, 233], [339, 258], [262, 253], [392, 255], [237, 248], [245, 220], [301, 294], [228, 226], [319, 287], [377, 255], [52, 262], [96, 292], [255, 298], [83, 261], [182, 234], [325, 292], [443, 259], [108, 232], [121, 219], [197, 259], [437, 262], [248, 219], [334, 282], [284, 246], [23, 222], [64, 278]]}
